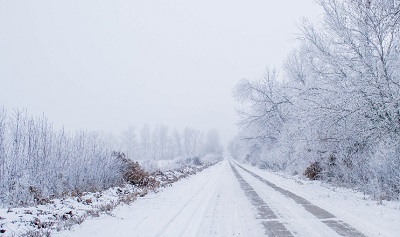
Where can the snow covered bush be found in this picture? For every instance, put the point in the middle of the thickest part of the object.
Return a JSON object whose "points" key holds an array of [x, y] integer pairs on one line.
{"points": [[38, 162]]}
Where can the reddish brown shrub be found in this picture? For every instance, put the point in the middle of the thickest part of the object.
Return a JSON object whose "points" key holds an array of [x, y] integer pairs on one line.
{"points": [[313, 171], [134, 174]]}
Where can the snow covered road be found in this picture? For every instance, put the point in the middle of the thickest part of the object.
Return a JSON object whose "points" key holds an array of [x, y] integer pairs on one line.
{"points": [[228, 200]]}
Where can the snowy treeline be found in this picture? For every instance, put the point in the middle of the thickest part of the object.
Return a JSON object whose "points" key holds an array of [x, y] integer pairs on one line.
{"points": [[336, 106], [38, 162], [160, 143]]}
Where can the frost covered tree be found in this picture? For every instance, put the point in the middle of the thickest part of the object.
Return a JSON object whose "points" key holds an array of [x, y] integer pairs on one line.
{"points": [[348, 67], [212, 143], [337, 104], [349, 81], [38, 162], [177, 143], [145, 148], [159, 143], [130, 143], [192, 142]]}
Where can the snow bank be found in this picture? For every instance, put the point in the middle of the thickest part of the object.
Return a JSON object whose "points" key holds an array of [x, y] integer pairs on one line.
{"points": [[63, 213]]}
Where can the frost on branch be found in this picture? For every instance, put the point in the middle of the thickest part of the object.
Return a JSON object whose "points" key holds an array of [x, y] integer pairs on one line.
{"points": [[339, 94]]}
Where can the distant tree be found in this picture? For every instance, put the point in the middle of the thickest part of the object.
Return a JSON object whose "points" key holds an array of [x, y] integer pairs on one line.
{"points": [[145, 142], [192, 141], [212, 143], [130, 143], [177, 143]]}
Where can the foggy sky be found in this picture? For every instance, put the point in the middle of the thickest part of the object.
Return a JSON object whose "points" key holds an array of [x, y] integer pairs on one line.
{"points": [[107, 65]]}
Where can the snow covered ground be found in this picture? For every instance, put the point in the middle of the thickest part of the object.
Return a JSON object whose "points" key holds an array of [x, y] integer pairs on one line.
{"points": [[370, 217], [210, 203], [64, 213], [227, 200]]}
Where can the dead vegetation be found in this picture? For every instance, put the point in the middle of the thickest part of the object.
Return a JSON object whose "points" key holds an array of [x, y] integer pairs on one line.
{"points": [[313, 171], [134, 174]]}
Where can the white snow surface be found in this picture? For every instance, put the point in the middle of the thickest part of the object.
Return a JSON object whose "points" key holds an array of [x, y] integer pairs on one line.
{"points": [[370, 217], [63, 213], [212, 203]]}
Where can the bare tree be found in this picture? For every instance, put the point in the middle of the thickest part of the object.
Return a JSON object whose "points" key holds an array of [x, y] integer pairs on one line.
{"points": [[130, 143], [212, 143]]}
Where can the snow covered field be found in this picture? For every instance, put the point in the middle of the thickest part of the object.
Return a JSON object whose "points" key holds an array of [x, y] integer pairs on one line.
{"points": [[227, 200]]}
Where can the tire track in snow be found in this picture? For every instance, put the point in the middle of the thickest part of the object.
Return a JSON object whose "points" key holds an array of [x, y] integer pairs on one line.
{"points": [[273, 228], [230, 213], [210, 182], [342, 228]]}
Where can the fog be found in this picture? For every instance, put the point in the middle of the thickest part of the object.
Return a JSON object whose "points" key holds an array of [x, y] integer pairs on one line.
{"points": [[108, 65]]}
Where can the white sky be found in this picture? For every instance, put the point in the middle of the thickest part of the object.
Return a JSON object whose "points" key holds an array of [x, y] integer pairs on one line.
{"points": [[106, 65]]}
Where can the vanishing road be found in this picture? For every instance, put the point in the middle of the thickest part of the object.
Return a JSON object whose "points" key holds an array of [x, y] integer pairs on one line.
{"points": [[226, 199]]}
